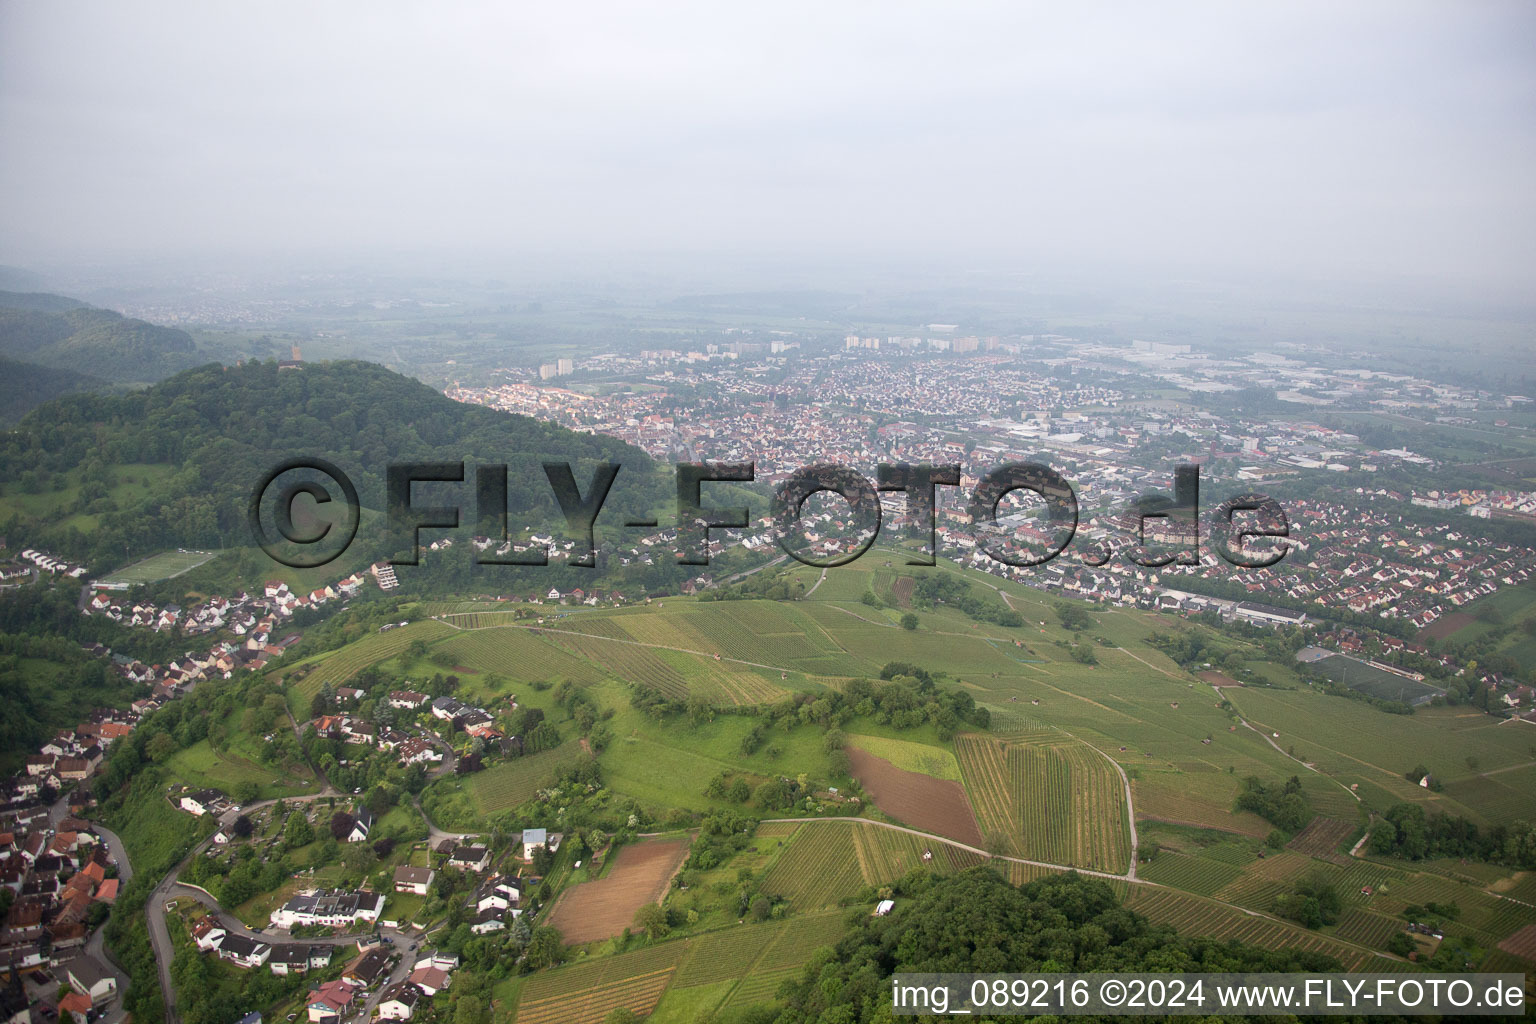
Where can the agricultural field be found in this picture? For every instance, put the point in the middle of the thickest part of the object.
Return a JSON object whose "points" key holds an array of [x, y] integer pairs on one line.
{"points": [[585, 993], [517, 653], [510, 784], [727, 954], [164, 566], [603, 908], [677, 675], [1188, 797], [1049, 798], [1367, 928], [1502, 798], [885, 855], [1323, 837], [912, 798], [684, 980], [1200, 875], [1038, 785], [739, 967], [827, 862], [1352, 742], [910, 756], [1194, 915], [1522, 944], [818, 868]]}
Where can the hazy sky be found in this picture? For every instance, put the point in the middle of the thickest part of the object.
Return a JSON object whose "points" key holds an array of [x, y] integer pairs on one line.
{"points": [[1349, 139]]}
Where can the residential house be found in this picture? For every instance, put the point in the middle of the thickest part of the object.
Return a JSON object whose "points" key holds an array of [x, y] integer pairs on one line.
{"points": [[416, 881], [429, 979], [331, 1001], [408, 700], [203, 801], [333, 909], [90, 977], [470, 858], [399, 1001], [370, 968], [244, 952]]}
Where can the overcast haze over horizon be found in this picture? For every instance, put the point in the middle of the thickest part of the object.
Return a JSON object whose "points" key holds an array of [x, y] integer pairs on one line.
{"points": [[1363, 141]]}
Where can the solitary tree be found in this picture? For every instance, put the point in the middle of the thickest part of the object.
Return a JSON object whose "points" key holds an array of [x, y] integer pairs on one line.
{"points": [[297, 830], [341, 824], [652, 920]]}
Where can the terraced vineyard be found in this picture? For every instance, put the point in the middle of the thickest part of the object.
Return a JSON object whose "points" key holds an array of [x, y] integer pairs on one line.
{"points": [[479, 619], [1367, 928], [817, 869], [984, 767], [1523, 887], [719, 956], [1502, 798], [801, 937], [780, 644], [758, 987], [627, 662], [1166, 795], [1049, 797], [1193, 874], [638, 994], [1264, 880], [675, 675], [1192, 915], [1502, 962], [352, 659], [884, 854], [519, 653], [1323, 836], [515, 782], [1019, 874], [436, 609], [751, 951], [586, 993]]}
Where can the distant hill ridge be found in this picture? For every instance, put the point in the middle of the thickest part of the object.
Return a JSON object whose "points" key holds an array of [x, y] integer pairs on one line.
{"points": [[66, 334], [223, 427]]}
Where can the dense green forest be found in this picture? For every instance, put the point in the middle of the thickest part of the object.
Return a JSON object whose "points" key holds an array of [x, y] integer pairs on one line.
{"points": [[977, 922], [24, 386], [221, 429]]}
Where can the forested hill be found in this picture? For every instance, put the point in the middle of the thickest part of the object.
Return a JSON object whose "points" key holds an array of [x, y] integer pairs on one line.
{"points": [[975, 922], [25, 386], [220, 429], [62, 333]]}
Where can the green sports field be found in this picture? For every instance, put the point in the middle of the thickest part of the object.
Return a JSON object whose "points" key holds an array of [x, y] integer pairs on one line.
{"points": [[164, 566]]}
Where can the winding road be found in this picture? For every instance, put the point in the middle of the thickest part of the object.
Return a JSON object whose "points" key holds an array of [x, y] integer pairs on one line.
{"points": [[170, 888], [95, 946]]}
